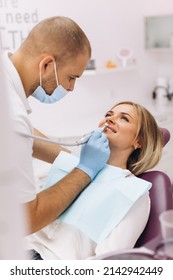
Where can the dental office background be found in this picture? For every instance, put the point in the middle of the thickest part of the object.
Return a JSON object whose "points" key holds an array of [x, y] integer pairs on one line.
{"points": [[111, 26]]}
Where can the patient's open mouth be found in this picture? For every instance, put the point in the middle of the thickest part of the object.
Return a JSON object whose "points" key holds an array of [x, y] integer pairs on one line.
{"points": [[111, 129]]}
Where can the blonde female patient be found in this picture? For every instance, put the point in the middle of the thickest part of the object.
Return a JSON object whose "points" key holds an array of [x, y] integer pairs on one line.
{"points": [[111, 213]]}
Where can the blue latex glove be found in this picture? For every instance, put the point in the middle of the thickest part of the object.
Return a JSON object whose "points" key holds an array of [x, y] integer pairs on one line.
{"points": [[94, 154]]}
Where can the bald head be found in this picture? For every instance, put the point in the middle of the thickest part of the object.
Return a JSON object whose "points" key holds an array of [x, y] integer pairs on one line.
{"points": [[58, 36]]}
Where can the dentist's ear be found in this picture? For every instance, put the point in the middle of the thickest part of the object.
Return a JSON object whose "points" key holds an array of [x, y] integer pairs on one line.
{"points": [[46, 64]]}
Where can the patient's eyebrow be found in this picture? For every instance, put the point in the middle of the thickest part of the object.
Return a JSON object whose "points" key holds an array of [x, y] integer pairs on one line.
{"points": [[109, 113], [125, 113]]}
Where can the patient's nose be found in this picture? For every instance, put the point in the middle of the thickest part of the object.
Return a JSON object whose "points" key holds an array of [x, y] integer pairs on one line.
{"points": [[110, 120]]}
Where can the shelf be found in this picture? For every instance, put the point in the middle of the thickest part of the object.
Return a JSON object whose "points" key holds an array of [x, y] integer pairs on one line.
{"points": [[109, 70], [158, 50]]}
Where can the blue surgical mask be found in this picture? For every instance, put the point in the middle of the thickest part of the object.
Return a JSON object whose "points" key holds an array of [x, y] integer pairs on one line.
{"points": [[58, 93]]}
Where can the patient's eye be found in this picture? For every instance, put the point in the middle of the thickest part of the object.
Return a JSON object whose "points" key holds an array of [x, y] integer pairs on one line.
{"points": [[109, 114], [125, 118]]}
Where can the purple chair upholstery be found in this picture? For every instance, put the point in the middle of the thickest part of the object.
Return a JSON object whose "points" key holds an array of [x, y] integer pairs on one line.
{"points": [[161, 199], [166, 135]]}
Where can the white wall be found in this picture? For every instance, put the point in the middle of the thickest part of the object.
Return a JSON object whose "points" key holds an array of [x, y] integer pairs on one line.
{"points": [[109, 25]]}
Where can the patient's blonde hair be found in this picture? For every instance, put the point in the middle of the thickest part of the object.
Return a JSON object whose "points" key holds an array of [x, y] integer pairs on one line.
{"points": [[151, 138]]}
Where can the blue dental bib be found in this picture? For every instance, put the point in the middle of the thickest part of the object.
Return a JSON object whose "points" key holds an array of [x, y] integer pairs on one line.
{"points": [[104, 203]]}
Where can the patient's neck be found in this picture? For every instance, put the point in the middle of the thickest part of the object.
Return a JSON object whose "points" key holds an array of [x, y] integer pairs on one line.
{"points": [[118, 160]]}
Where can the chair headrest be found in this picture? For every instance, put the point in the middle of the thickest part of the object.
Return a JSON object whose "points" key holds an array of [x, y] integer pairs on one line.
{"points": [[166, 135]]}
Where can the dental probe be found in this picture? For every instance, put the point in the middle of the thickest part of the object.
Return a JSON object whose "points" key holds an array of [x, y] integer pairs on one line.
{"points": [[50, 141], [83, 140], [86, 137]]}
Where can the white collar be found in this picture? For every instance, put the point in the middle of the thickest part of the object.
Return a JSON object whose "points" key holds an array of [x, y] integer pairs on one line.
{"points": [[15, 79]]}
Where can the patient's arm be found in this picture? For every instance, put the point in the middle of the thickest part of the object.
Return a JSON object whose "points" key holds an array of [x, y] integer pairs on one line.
{"points": [[46, 151], [125, 235]]}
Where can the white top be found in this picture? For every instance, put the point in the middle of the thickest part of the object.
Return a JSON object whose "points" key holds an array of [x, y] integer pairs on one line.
{"points": [[19, 109], [64, 239]]}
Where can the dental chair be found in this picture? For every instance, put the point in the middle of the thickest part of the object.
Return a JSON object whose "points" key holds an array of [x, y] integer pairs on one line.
{"points": [[161, 195]]}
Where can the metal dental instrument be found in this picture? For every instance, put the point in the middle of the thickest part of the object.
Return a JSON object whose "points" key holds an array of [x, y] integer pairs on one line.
{"points": [[86, 137], [83, 140]]}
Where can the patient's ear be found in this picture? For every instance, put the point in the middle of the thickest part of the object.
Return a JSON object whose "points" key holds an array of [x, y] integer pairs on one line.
{"points": [[137, 144]]}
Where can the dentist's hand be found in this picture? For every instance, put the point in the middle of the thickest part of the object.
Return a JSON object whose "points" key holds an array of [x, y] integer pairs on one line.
{"points": [[94, 154]]}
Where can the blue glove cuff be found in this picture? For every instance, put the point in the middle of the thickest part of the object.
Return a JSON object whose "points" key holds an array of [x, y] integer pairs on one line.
{"points": [[86, 170]]}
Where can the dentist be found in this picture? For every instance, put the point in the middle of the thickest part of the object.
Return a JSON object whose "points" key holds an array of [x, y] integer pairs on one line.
{"points": [[46, 66]]}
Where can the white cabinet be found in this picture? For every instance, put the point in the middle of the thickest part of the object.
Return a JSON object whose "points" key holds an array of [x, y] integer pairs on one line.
{"points": [[159, 32], [165, 120]]}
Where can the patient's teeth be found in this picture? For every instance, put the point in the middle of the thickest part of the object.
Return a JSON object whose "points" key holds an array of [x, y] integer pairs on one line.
{"points": [[111, 129]]}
